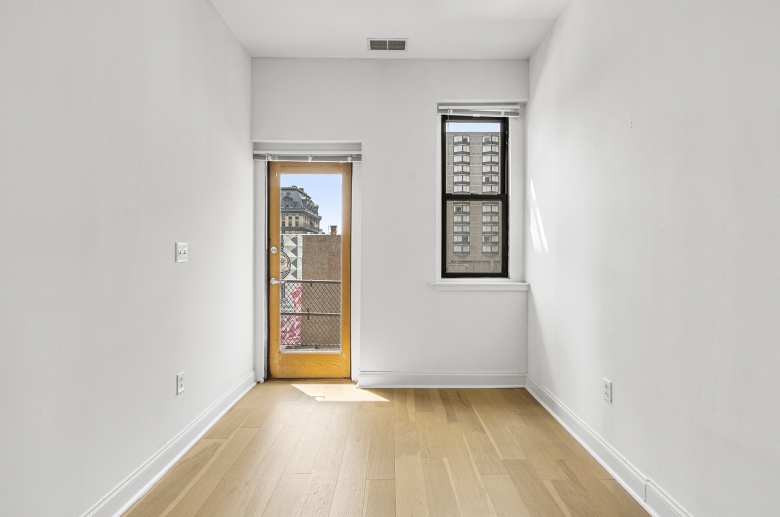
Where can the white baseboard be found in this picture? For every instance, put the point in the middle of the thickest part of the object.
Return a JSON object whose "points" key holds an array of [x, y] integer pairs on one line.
{"points": [[647, 493], [139, 482], [382, 379]]}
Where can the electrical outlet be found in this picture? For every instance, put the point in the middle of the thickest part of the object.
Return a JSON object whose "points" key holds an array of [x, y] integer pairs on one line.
{"points": [[180, 383], [181, 252], [608, 390]]}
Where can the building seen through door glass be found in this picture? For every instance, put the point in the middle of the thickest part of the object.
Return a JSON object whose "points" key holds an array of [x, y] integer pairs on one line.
{"points": [[310, 263], [474, 200]]}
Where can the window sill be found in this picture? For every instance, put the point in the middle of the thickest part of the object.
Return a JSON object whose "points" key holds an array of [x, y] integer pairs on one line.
{"points": [[478, 285]]}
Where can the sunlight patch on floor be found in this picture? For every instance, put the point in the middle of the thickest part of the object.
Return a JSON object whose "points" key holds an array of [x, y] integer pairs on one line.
{"points": [[338, 392]]}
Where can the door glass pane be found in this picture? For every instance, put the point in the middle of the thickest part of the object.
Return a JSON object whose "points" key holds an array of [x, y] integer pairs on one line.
{"points": [[310, 260], [473, 241]]}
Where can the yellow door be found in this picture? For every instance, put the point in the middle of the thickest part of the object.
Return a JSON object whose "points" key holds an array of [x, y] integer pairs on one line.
{"points": [[309, 269]]}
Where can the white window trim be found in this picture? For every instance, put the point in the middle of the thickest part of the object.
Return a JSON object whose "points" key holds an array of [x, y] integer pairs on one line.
{"points": [[516, 185]]}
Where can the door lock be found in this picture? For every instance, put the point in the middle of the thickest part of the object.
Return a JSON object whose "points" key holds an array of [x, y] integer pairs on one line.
{"points": [[274, 281]]}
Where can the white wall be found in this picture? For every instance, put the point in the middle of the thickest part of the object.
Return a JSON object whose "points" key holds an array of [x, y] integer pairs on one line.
{"points": [[653, 149], [407, 328], [124, 126]]}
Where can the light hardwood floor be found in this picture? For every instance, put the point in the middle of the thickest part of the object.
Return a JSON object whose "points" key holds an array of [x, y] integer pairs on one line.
{"points": [[319, 448]]}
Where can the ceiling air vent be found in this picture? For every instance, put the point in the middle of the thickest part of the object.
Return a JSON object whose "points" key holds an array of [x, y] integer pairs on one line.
{"points": [[388, 44]]}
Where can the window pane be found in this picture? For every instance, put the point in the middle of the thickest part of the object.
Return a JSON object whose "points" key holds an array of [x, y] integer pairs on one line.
{"points": [[462, 258], [470, 144]]}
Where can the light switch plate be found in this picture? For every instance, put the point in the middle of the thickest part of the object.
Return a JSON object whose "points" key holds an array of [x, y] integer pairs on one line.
{"points": [[607, 390], [182, 253]]}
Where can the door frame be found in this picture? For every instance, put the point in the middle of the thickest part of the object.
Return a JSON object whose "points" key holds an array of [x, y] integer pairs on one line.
{"points": [[308, 364]]}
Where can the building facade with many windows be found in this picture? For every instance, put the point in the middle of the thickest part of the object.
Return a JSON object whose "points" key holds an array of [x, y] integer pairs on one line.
{"points": [[474, 230], [299, 213]]}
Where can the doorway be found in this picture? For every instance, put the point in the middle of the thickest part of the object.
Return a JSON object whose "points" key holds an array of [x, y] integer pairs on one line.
{"points": [[309, 269]]}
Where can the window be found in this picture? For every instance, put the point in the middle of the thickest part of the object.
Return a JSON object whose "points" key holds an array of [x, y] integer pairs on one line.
{"points": [[459, 208], [469, 141], [489, 207]]}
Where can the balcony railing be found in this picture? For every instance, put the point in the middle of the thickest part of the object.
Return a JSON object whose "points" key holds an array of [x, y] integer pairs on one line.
{"points": [[310, 315]]}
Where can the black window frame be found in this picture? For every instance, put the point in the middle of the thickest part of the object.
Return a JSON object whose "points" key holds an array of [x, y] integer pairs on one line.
{"points": [[502, 196]]}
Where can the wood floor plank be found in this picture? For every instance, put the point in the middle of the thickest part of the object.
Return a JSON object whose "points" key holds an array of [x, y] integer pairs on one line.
{"points": [[573, 498], [318, 494], [410, 500], [530, 399], [410, 407], [485, 455], [260, 413], [599, 497], [517, 402], [289, 391], [460, 400], [441, 496], [261, 485], [558, 500], [305, 404], [422, 401], [401, 411], [233, 483], [558, 433], [349, 496], [429, 436], [384, 393], [305, 453], [503, 494], [449, 409], [287, 495], [494, 425], [440, 414], [362, 415], [545, 466], [197, 494], [472, 498], [630, 507], [502, 408], [381, 455], [262, 394], [227, 424], [380, 499], [165, 491], [556, 449], [532, 490]]}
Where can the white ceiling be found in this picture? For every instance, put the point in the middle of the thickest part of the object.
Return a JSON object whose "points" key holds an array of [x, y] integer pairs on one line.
{"points": [[454, 29]]}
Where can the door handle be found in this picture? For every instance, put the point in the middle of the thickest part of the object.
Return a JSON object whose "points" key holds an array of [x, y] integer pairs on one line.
{"points": [[274, 281]]}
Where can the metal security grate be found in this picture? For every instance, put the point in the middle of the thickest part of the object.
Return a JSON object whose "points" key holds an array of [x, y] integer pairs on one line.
{"points": [[310, 317]]}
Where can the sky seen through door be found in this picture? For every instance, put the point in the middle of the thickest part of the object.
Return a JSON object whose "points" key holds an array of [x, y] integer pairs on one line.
{"points": [[325, 191]]}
